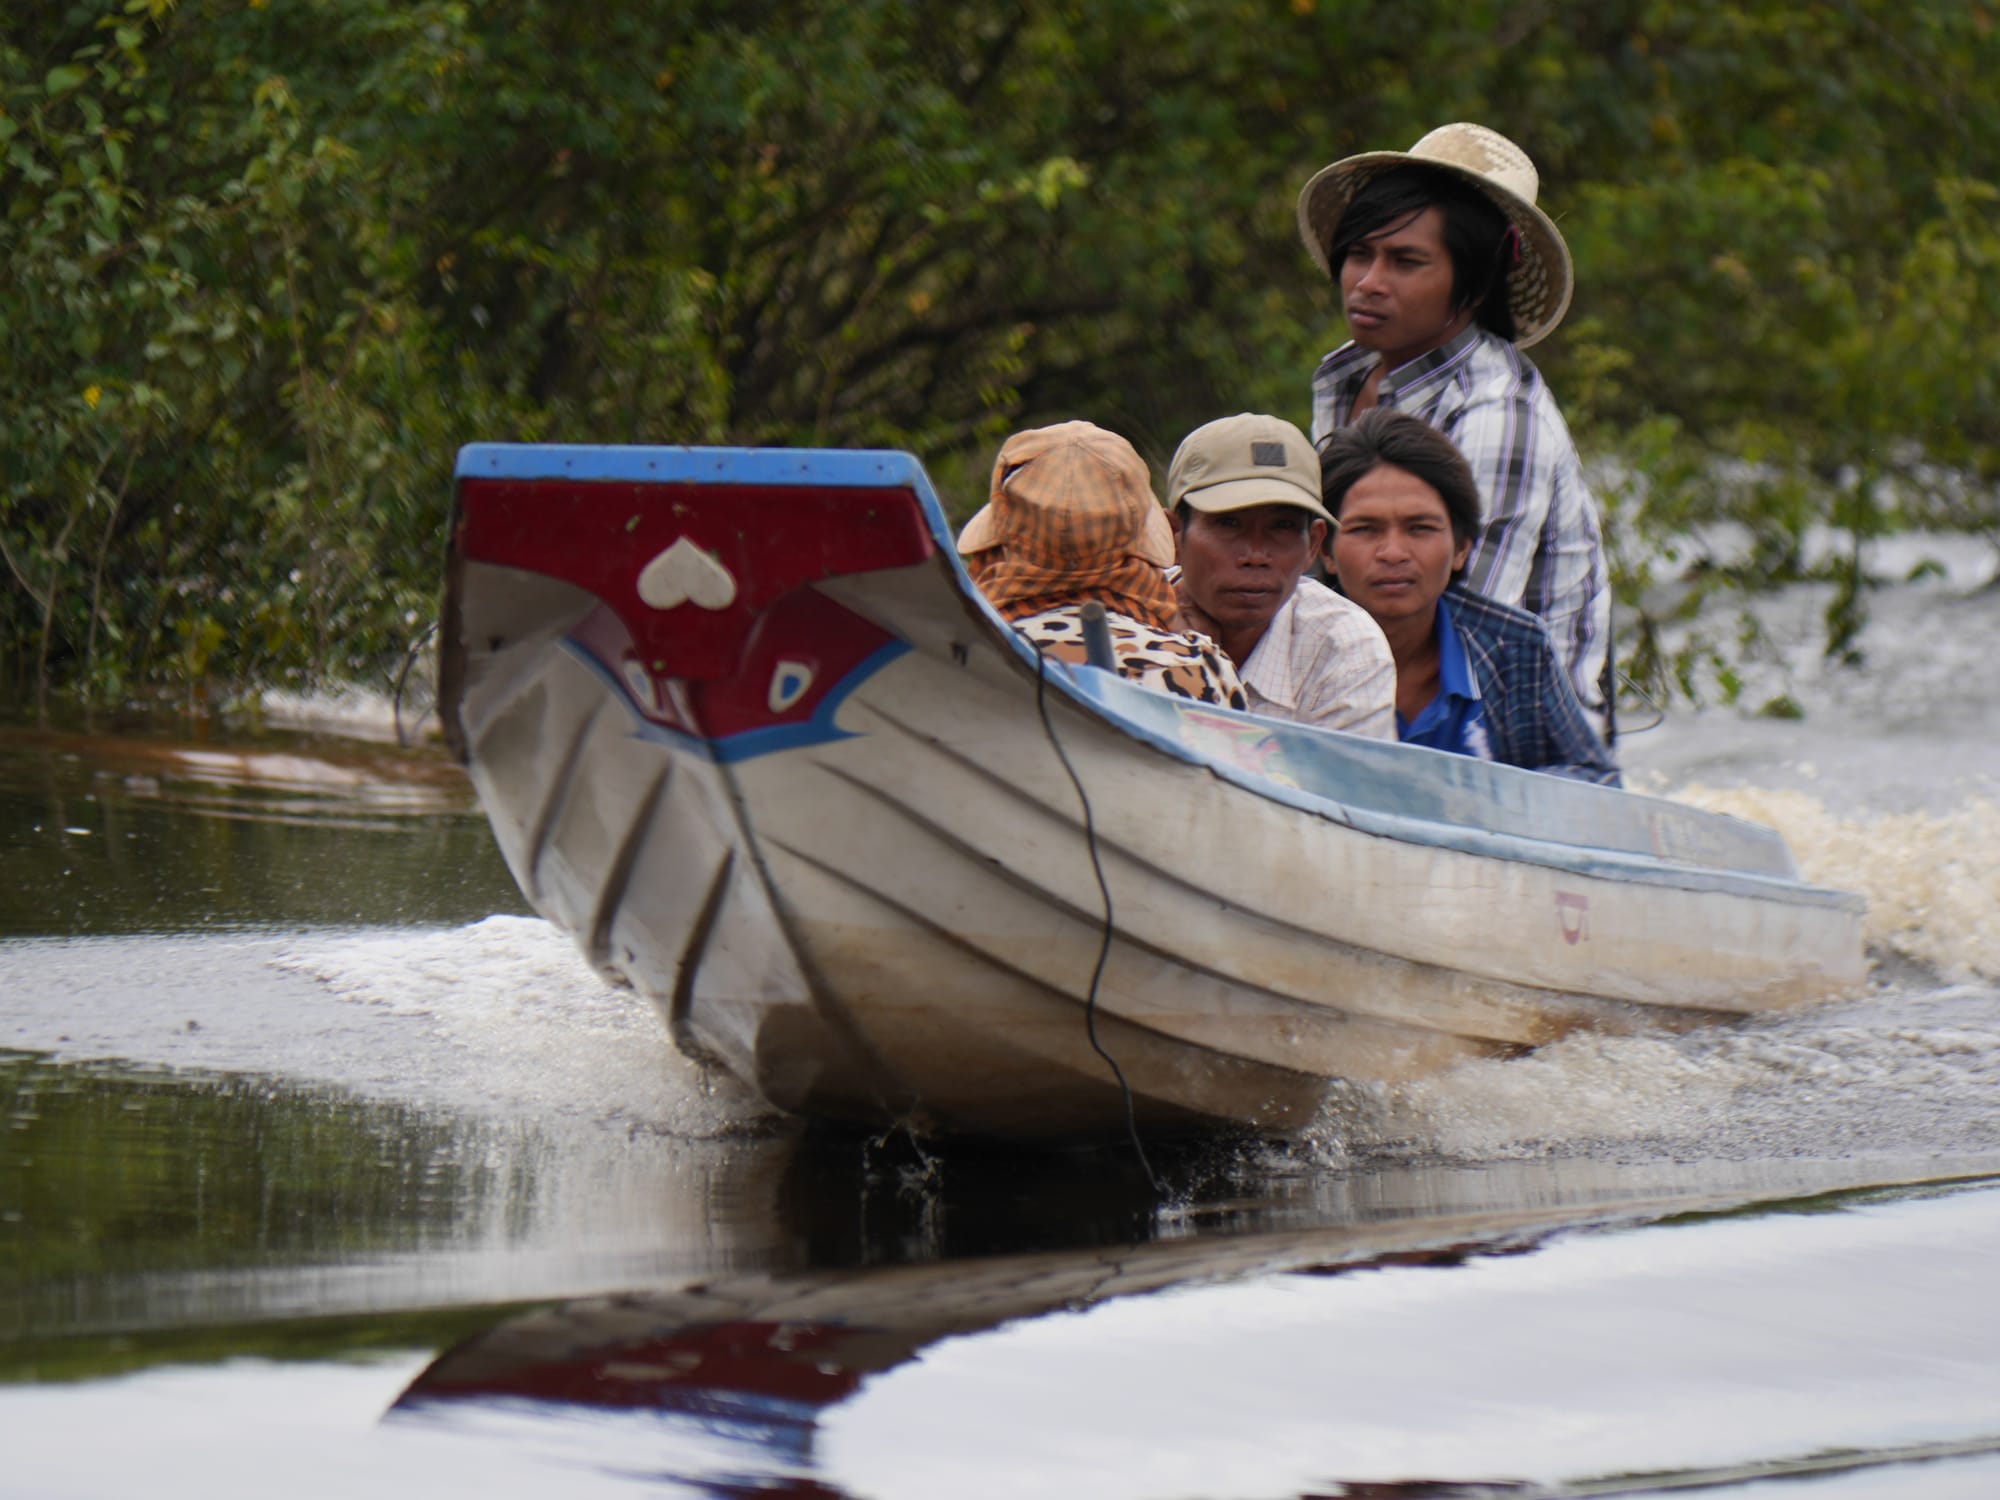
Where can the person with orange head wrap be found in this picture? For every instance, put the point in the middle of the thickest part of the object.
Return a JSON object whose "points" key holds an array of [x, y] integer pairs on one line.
{"points": [[1072, 519]]}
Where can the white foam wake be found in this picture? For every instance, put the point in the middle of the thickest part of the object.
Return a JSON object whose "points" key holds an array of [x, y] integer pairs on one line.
{"points": [[1932, 880], [530, 1022], [1890, 1074]]}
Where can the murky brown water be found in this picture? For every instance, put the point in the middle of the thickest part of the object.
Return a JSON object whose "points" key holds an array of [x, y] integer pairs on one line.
{"points": [[323, 1160], [142, 831]]}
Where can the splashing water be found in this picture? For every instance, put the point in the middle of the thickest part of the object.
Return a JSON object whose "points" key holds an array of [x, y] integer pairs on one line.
{"points": [[544, 1033], [1932, 880], [1908, 1067]]}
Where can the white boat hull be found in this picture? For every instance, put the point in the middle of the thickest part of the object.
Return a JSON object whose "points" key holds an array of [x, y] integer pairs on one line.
{"points": [[894, 913]]}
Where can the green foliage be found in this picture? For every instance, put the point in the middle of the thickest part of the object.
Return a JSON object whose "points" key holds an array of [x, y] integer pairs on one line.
{"points": [[269, 266], [183, 491], [1799, 272]]}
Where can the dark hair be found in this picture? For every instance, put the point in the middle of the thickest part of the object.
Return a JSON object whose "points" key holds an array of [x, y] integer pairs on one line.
{"points": [[1384, 438], [1475, 235]]}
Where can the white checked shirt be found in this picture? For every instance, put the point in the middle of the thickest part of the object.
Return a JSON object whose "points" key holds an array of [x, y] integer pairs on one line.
{"points": [[1324, 661], [1541, 546]]}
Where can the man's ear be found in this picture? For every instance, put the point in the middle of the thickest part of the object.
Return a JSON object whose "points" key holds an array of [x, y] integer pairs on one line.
{"points": [[1318, 533], [1459, 555], [1174, 520]]}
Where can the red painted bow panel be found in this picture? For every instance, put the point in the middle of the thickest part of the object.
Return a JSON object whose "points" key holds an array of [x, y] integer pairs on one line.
{"points": [[708, 621]]}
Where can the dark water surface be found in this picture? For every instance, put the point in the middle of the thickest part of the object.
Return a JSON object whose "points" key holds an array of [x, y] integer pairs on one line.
{"points": [[326, 1169], [147, 830]]}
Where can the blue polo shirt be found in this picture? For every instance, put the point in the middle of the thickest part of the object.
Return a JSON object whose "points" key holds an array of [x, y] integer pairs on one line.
{"points": [[1455, 719]]}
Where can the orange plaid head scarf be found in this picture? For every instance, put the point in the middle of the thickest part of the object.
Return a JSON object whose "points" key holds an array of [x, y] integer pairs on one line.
{"points": [[1072, 518]]}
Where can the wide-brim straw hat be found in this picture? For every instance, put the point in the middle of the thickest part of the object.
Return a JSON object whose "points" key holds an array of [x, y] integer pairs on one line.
{"points": [[1539, 286], [1070, 496]]}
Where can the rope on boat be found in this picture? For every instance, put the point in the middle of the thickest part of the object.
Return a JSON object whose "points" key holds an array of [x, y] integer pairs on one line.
{"points": [[1104, 890]]}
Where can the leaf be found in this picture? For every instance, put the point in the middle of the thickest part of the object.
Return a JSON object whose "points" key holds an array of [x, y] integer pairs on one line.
{"points": [[62, 80]]}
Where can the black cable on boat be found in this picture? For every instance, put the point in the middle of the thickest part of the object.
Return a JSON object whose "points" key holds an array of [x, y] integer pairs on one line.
{"points": [[1104, 889]]}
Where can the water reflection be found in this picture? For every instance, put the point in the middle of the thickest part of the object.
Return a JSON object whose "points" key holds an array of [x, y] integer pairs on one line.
{"points": [[117, 1182], [328, 1156], [773, 1349], [134, 1201], [1267, 1363], [132, 832], [1271, 1365], [133, 1198], [753, 1313]]}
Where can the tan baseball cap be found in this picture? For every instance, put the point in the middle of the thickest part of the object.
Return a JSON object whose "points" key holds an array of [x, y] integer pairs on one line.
{"points": [[1246, 460]]}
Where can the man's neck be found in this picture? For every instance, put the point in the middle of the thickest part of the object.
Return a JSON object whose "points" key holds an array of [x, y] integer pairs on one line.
{"points": [[1412, 639], [1238, 643], [1387, 364], [1370, 392], [1413, 642]]}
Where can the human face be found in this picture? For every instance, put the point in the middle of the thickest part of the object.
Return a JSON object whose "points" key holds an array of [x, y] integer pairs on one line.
{"points": [[1239, 567], [1394, 552], [1396, 286]]}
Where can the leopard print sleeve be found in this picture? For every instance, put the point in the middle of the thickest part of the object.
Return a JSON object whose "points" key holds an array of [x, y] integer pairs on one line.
{"points": [[1183, 665]]}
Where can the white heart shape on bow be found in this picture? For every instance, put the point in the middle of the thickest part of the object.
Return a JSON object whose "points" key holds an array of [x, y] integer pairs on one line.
{"points": [[685, 573]]}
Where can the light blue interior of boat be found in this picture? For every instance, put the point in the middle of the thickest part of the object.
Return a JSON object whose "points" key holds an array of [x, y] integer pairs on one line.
{"points": [[1400, 791]]}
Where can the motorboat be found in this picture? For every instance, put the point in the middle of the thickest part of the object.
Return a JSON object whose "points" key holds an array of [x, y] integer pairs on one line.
{"points": [[746, 730]]}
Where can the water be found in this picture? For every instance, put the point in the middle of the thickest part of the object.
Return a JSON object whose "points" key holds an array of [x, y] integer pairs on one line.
{"points": [[326, 1167]]}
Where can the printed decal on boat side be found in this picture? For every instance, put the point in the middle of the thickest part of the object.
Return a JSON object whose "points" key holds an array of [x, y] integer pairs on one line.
{"points": [[805, 655], [1242, 745], [640, 684], [645, 550], [1573, 912], [789, 682]]}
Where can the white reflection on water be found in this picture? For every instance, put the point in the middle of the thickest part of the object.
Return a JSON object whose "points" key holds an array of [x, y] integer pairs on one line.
{"points": [[251, 1427], [1975, 1477], [1842, 1344], [1684, 1348]]}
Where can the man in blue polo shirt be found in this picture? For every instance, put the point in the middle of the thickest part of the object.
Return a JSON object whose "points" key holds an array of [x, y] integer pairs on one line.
{"points": [[1472, 677]]}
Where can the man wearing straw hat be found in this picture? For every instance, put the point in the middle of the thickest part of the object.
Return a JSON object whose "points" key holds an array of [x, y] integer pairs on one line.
{"points": [[1447, 271]]}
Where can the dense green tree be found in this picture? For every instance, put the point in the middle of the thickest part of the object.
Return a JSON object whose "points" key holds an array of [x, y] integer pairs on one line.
{"points": [[269, 265]]}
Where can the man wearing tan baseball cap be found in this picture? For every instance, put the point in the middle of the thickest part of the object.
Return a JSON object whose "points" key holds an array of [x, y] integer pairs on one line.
{"points": [[1244, 492]]}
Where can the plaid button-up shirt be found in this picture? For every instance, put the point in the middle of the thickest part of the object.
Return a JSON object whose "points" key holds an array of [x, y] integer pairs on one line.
{"points": [[1540, 546], [1532, 718]]}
